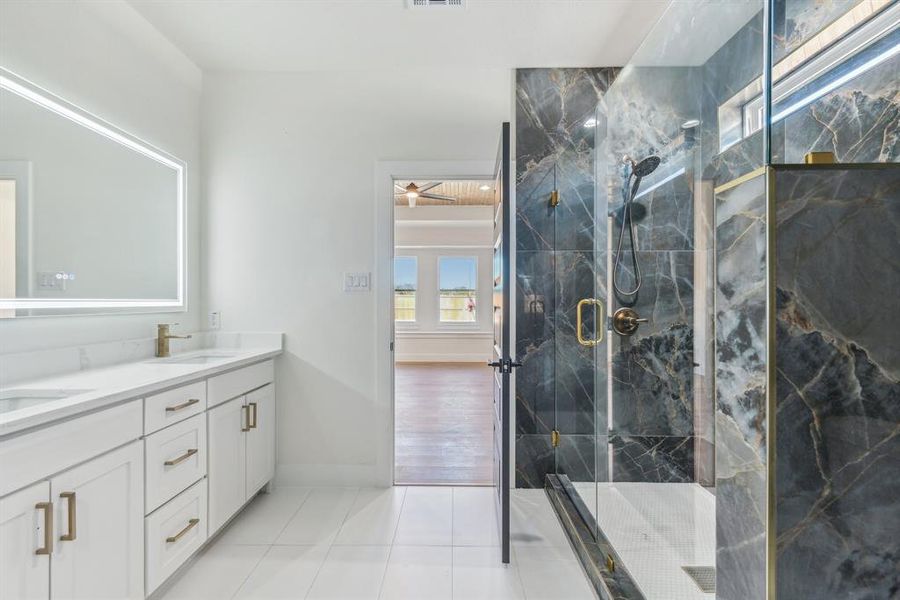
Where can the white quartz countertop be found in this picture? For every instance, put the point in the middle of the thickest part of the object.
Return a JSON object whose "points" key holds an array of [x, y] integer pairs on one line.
{"points": [[105, 386]]}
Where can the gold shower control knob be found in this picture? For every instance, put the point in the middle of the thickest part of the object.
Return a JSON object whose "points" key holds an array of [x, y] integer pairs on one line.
{"points": [[626, 321]]}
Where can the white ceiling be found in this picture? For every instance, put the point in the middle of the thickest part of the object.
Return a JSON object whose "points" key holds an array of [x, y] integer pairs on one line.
{"points": [[303, 35]]}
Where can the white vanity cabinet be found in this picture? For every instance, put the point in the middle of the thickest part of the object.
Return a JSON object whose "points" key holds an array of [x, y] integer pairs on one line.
{"points": [[99, 521], [112, 502], [26, 535], [241, 452], [78, 535]]}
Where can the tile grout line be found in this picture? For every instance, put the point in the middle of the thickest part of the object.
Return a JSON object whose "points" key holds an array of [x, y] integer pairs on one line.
{"points": [[272, 545], [330, 544], [391, 550], [249, 573], [291, 518]]}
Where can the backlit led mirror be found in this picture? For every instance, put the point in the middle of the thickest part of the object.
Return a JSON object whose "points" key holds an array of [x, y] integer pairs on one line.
{"points": [[91, 218]]}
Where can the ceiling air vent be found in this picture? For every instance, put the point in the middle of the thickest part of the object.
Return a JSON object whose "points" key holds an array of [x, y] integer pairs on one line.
{"points": [[436, 3]]}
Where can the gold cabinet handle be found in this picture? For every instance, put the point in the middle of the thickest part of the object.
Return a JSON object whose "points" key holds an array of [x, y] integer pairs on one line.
{"points": [[47, 507], [178, 407], [69, 497], [174, 538], [253, 424], [182, 458], [245, 414], [599, 324]]}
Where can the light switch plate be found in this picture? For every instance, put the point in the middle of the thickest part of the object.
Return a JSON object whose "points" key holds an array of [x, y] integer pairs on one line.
{"points": [[357, 282], [214, 320]]}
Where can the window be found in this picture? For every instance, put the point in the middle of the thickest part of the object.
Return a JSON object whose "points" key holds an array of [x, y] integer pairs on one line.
{"points": [[405, 279], [457, 282]]}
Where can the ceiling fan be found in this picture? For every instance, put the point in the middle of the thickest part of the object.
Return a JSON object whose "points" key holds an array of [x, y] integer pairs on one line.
{"points": [[413, 192]]}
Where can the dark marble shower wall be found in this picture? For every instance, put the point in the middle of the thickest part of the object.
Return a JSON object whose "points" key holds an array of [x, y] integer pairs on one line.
{"points": [[560, 120], [837, 363], [741, 334], [653, 387]]}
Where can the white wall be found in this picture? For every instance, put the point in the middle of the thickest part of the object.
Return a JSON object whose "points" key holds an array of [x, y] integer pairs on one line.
{"points": [[428, 233], [291, 164], [105, 58]]}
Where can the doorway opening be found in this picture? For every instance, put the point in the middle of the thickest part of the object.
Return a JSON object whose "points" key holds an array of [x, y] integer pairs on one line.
{"points": [[443, 332]]}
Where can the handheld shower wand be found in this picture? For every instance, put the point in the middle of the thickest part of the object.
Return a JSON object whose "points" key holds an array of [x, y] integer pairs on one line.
{"points": [[639, 170]]}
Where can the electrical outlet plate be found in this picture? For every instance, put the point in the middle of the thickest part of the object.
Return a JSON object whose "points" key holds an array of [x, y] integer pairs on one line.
{"points": [[214, 320]]}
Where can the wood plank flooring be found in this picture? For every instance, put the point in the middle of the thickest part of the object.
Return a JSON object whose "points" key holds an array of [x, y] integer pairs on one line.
{"points": [[443, 426]]}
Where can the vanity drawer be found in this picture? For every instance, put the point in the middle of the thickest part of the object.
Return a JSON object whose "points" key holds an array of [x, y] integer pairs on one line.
{"points": [[174, 459], [172, 406], [174, 532], [239, 382]]}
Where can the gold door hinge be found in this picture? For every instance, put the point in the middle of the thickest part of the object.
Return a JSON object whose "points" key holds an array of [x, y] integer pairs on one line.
{"points": [[554, 438], [610, 563]]}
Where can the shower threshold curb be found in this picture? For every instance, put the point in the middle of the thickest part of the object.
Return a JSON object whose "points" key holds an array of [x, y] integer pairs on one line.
{"points": [[603, 566]]}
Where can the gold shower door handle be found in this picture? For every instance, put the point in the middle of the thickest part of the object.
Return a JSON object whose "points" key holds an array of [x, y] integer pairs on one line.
{"points": [[599, 322], [69, 497]]}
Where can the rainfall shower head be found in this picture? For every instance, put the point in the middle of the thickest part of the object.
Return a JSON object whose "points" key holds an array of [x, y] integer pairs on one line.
{"points": [[645, 167]]}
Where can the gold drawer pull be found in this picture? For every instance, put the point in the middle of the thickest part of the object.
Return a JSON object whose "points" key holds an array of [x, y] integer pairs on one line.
{"points": [[178, 407], [181, 459], [47, 507], [174, 538], [70, 499], [254, 423]]}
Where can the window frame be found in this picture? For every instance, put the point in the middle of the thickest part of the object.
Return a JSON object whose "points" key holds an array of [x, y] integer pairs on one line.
{"points": [[415, 294], [441, 323]]}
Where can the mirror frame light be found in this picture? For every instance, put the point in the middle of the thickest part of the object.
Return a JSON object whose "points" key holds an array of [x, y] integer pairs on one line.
{"points": [[28, 90]]}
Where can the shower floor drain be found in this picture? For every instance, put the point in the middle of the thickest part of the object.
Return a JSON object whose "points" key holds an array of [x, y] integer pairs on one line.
{"points": [[704, 577]]}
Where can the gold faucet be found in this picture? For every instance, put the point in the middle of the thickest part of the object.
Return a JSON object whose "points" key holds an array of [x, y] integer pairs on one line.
{"points": [[162, 339]]}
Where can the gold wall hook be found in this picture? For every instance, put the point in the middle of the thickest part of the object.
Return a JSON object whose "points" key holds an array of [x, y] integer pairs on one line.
{"points": [[554, 198]]}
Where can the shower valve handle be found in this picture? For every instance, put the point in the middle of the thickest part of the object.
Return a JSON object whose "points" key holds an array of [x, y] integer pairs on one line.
{"points": [[626, 321]]}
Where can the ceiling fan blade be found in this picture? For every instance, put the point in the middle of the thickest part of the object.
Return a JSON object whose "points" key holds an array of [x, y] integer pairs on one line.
{"points": [[399, 188], [429, 185], [438, 197]]}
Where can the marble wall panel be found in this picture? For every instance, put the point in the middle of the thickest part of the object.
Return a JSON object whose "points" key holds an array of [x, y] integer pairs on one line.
{"points": [[560, 119], [838, 383], [741, 392]]}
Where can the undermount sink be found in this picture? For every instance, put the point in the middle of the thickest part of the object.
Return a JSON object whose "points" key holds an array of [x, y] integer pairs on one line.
{"points": [[11, 400], [196, 359]]}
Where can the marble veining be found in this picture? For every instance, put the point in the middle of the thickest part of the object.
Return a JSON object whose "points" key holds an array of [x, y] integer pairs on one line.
{"points": [[838, 383], [560, 120], [741, 392]]}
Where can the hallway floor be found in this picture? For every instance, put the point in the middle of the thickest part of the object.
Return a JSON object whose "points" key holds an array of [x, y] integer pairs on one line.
{"points": [[416, 543], [443, 425]]}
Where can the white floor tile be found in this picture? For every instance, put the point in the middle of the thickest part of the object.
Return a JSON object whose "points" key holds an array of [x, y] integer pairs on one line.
{"points": [[548, 573], [478, 574], [532, 521], [284, 573], [351, 573], [217, 573], [418, 573], [265, 517], [426, 518], [474, 517], [373, 518], [319, 518]]}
